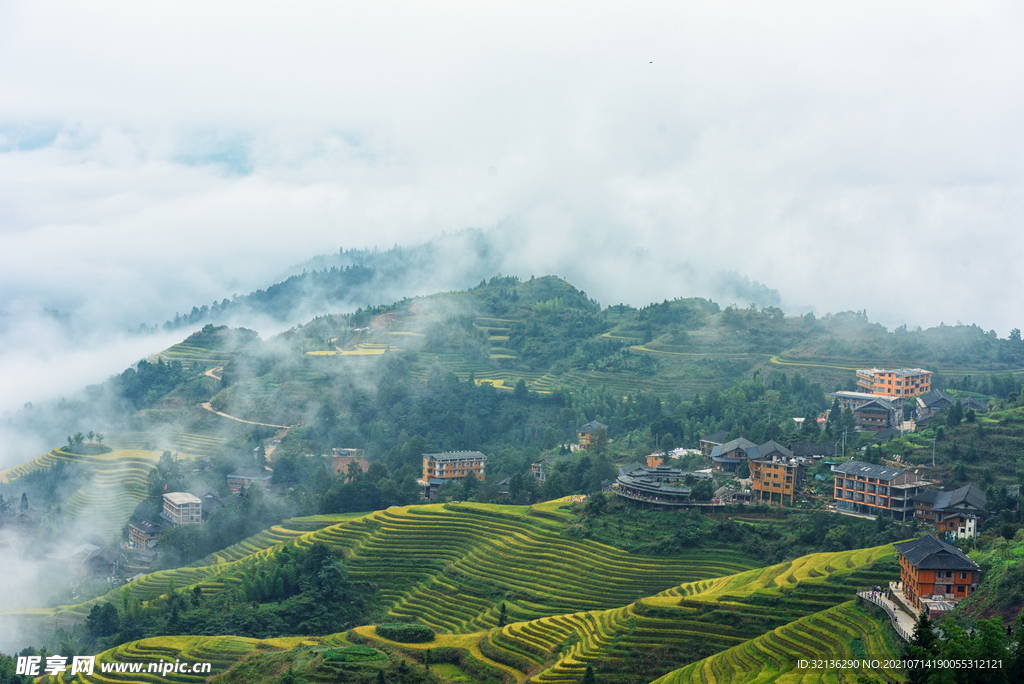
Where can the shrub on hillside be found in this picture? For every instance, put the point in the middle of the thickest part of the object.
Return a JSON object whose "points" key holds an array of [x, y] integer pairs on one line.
{"points": [[405, 633]]}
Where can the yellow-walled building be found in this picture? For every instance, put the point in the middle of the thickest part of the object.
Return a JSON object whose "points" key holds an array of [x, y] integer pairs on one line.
{"points": [[894, 382], [450, 465]]}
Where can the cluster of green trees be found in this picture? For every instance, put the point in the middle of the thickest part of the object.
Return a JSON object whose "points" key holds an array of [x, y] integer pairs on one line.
{"points": [[784, 534], [759, 408], [8, 667], [226, 525], [1000, 648], [76, 442], [295, 591]]}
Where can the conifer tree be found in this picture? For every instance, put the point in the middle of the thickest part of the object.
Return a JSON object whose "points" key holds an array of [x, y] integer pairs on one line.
{"points": [[923, 646]]}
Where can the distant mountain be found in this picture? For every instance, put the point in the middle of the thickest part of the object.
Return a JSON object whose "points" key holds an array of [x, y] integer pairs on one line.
{"points": [[359, 278]]}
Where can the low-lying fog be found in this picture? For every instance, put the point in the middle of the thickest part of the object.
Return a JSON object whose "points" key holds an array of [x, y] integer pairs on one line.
{"points": [[155, 158]]}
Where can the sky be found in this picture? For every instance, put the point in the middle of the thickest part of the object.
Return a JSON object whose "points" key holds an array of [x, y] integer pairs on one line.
{"points": [[158, 156]]}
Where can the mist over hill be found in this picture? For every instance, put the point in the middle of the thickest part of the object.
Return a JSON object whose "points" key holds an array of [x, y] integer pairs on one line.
{"points": [[360, 278]]}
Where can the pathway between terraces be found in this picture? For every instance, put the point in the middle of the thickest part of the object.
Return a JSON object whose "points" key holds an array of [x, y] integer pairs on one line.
{"points": [[206, 405]]}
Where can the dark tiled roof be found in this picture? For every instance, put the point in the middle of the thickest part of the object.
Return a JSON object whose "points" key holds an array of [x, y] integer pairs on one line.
{"points": [[972, 403], [928, 553], [592, 426], [928, 496], [738, 443], [869, 470], [875, 404], [147, 526], [107, 556], [630, 468], [967, 495], [934, 398], [770, 446], [717, 438], [884, 435]]}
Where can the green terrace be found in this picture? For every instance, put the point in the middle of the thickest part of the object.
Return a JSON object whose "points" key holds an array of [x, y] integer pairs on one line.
{"points": [[570, 602], [190, 355], [686, 622], [192, 443], [844, 632], [116, 484], [451, 567], [205, 572]]}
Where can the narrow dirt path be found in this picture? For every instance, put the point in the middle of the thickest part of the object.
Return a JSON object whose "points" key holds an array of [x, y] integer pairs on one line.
{"points": [[206, 405], [210, 373]]}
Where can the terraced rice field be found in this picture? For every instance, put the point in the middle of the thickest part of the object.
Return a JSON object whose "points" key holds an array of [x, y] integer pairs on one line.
{"points": [[571, 602], [286, 531], [451, 567], [361, 349], [190, 443], [828, 634], [503, 379], [220, 651], [710, 615], [190, 355], [115, 486]]}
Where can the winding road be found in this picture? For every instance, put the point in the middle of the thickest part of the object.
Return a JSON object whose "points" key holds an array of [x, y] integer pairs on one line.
{"points": [[206, 405]]}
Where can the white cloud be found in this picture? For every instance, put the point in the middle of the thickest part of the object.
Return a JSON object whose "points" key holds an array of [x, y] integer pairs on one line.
{"points": [[153, 157]]}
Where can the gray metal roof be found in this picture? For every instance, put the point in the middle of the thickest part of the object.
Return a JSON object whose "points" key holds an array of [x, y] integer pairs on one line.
{"points": [[457, 456], [869, 470], [592, 426]]}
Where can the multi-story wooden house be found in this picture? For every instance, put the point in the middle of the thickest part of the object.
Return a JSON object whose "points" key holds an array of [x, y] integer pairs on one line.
{"points": [[587, 435], [933, 569], [959, 512], [141, 533], [894, 382], [776, 476], [708, 443], [730, 455], [182, 508], [450, 465], [870, 489]]}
